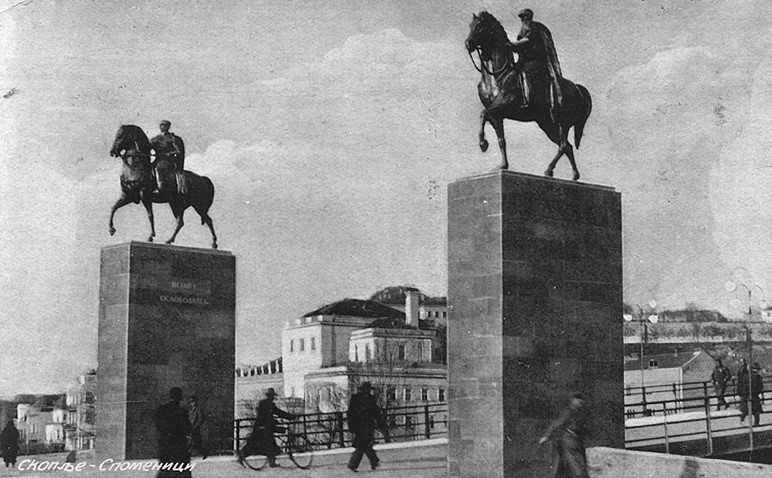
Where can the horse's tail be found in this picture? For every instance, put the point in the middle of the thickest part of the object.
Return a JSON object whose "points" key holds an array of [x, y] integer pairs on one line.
{"points": [[586, 109]]}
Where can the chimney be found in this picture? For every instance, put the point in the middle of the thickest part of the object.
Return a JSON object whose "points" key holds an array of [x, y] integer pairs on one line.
{"points": [[411, 307]]}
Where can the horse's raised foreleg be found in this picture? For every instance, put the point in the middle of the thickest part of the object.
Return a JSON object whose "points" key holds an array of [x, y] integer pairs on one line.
{"points": [[147, 201], [178, 212], [483, 120], [122, 201]]}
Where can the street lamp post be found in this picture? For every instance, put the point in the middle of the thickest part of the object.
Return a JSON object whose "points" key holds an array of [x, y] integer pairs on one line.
{"points": [[653, 318], [732, 286]]}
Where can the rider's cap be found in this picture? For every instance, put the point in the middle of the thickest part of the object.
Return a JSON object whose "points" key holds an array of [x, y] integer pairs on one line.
{"points": [[270, 392], [526, 12], [166, 122]]}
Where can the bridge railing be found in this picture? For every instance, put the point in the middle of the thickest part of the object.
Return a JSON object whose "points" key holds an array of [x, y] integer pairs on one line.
{"points": [[330, 430], [698, 420], [639, 401]]}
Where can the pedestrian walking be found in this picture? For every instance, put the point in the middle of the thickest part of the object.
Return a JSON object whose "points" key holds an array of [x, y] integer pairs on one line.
{"points": [[173, 428], [197, 417], [567, 433], [720, 377], [364, 417], [9, 443]]}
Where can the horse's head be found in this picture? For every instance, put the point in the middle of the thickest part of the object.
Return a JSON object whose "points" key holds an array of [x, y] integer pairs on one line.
{"points": [[121, 143], [484, 32], [130, 138]]}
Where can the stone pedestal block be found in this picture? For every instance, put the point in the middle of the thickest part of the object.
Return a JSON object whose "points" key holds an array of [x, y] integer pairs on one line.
{"points": [[166, 319], [535, 290]]}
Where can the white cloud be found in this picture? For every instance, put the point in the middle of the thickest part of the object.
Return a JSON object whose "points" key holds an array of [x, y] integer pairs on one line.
{"points": [[366, 59]]}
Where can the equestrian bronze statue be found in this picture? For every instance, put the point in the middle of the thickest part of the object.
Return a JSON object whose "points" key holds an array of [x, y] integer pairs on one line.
{"points": [[529, 89], [139, 183]]}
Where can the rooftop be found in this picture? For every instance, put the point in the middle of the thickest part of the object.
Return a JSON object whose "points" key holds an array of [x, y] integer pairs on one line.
{"points": [[358, 308]]}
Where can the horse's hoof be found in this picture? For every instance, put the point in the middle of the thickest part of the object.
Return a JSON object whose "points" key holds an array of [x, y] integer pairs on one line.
{"points": [[214, 245], [150, 239], [169, 241], [576, 176], [483, 146], [548, 173], [112, 231]]}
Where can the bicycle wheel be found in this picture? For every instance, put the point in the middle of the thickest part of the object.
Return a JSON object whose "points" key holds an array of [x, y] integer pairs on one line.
{"points": [[301, 452], [256, 462]]}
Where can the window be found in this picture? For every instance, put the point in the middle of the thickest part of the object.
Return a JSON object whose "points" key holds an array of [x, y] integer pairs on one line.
{"points": [[408, 421], [392, 421], [367, 353], [302, 345], [313, 343], [408, 394], [356, 353], [391, 392], [292, 345], [425, 394], [401, 352], [444, 315], [441, 395]]}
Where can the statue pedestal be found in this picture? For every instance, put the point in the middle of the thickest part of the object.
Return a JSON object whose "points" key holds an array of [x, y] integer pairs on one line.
{"points": [[535, 294], [166, 319]]}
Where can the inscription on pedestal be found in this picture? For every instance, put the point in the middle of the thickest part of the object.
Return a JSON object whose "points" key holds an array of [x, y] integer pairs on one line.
{"points": [[166, 319]]}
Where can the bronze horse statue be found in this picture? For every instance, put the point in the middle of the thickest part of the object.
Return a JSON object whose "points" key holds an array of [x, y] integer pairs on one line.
{"points": [[501, 94], [138, 183]]}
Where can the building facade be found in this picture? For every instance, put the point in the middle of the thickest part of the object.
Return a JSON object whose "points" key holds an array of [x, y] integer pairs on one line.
{"points": [[81, 413]]}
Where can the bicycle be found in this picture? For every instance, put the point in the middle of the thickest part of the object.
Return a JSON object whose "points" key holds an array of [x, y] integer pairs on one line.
{"points": [[297, 446]]}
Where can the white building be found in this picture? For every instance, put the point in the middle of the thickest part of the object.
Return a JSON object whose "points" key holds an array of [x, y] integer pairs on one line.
{"points": [[81, 406], [329, 351], [320, 338]]}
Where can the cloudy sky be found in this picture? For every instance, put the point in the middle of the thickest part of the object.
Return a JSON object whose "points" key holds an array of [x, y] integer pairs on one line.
{"points": [[331, 130]]}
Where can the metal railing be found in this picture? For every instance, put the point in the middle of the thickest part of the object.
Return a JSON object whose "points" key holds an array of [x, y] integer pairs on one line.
{"points": [[699, 419], [680, 396], [330, 430]]}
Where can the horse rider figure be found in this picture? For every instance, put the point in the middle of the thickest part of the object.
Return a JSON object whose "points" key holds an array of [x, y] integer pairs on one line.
{"points": [[538, 61], [169, 148]]}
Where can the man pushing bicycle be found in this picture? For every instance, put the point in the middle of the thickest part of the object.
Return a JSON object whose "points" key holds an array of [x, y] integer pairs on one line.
{"points": [[262, 441]]}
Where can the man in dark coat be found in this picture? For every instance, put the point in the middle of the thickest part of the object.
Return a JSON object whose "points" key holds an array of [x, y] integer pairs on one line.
{"points": [[169, 149], [741, 389], [567, 433], [364, 417], [9, 443], [540, 72], [173, 428], [197, 417], [261, 441], [720, 377], [756, 389]]}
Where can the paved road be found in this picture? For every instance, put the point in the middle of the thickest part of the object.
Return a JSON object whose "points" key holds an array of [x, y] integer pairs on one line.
{"points": [[414, 460]]}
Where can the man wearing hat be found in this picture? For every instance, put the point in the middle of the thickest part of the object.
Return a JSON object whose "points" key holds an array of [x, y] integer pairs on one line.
{"points": [[169, 148], [261, 441], [364, 416], [173, 427], [540, 72]]}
